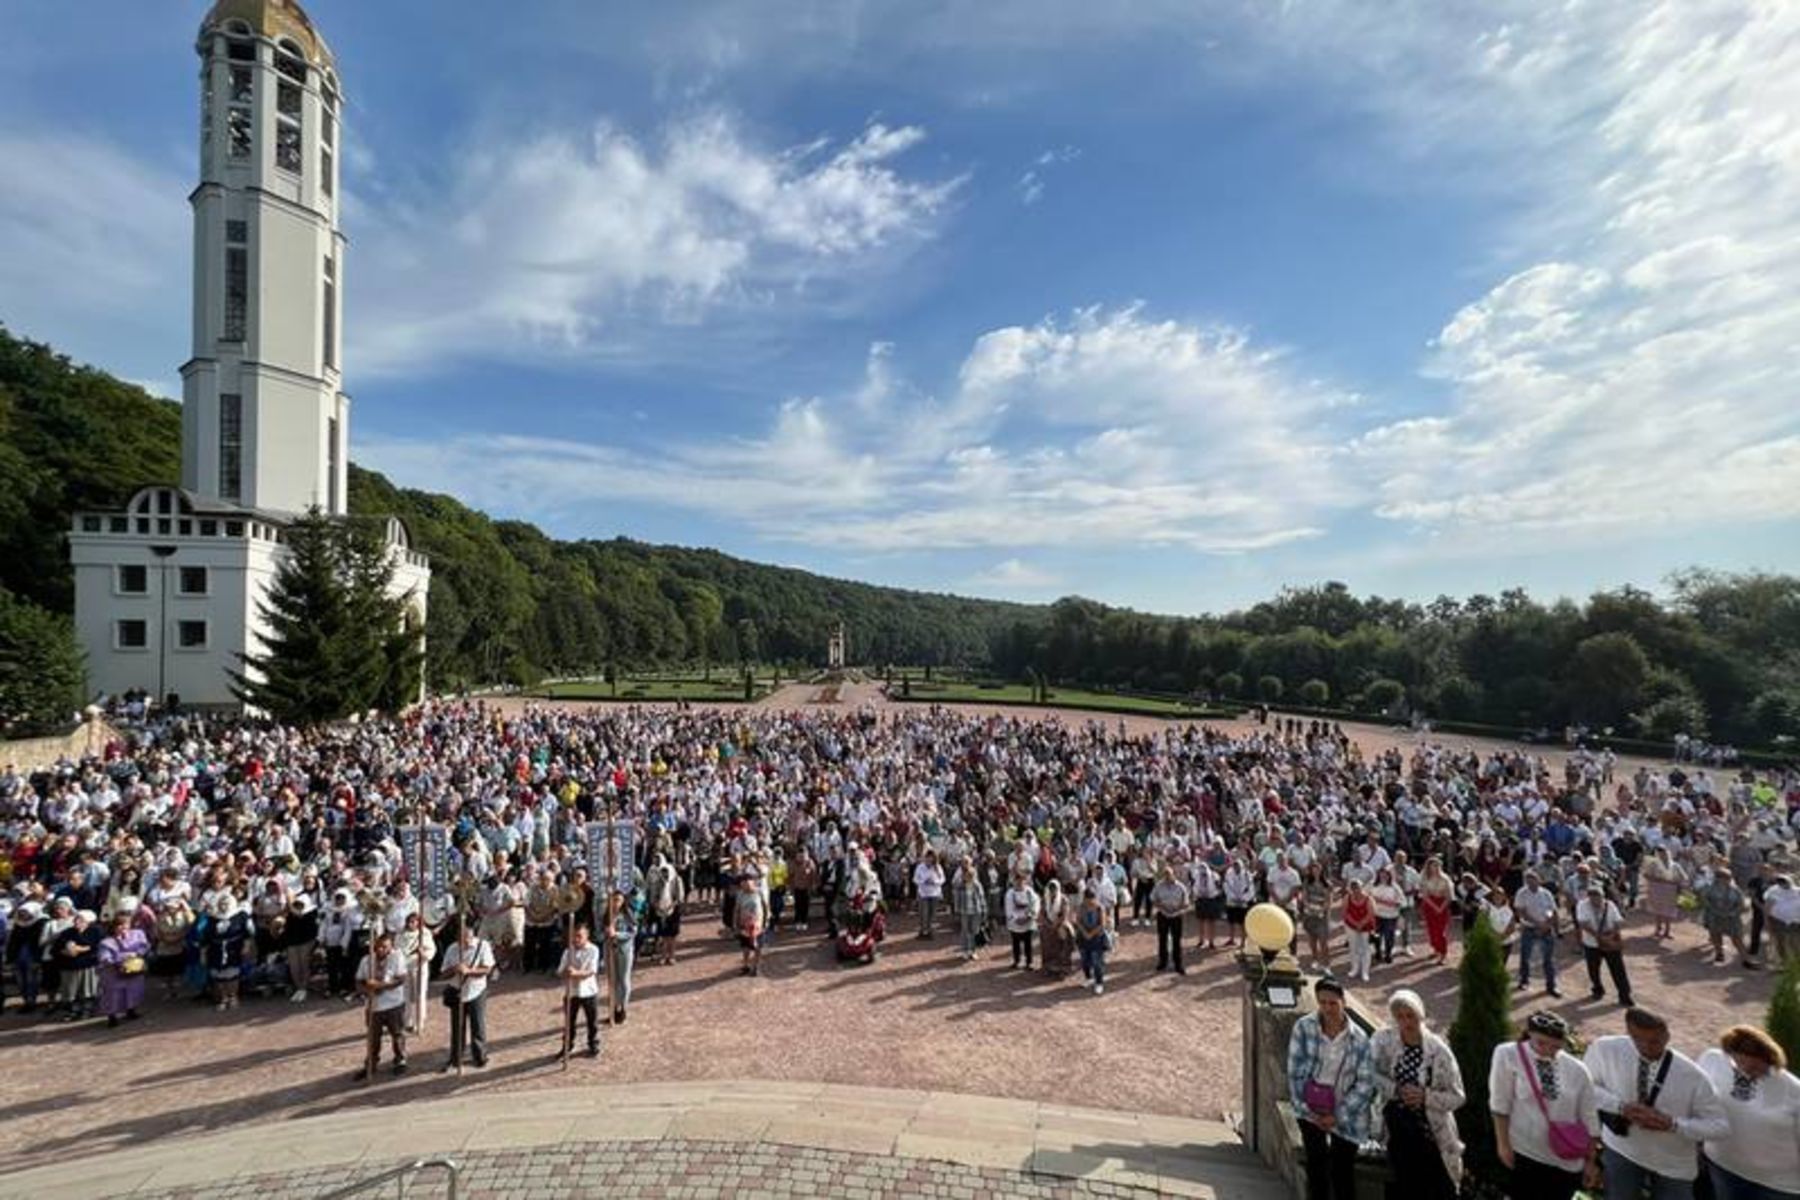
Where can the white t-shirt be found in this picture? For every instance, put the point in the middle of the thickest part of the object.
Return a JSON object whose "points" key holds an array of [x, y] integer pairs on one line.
{"points": [[480, 957], [391, 976], [1592, 916], [585, 962], [928, 878]]}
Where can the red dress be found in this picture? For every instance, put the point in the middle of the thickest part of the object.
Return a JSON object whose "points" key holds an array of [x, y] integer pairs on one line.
{"points": [[1436, 911]]}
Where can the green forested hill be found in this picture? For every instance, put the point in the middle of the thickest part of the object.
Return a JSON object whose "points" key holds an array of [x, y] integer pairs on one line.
{"points": [[71, 437], [506, 600]]}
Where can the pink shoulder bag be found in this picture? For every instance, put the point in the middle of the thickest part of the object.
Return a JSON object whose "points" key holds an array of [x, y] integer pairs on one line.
{"points": [[1569, 1140]]}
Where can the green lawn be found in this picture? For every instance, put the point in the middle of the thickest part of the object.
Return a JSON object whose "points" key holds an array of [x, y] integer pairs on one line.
{"points": [[722, 688], [1020, 693]]}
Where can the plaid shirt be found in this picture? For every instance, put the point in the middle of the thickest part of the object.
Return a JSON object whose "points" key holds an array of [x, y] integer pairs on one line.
{"points": [[1355, 1085]]}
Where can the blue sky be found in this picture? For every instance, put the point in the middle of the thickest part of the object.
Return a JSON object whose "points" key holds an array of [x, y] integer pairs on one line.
{"points": [[1165, 303]]}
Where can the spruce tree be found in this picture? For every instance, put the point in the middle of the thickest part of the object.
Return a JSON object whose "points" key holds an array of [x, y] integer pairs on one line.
{"points": [[1783, 1021], [337, 642], [1483, 1021]]}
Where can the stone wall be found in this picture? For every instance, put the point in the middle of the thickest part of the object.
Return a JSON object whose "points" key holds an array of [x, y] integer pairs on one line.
{"points": [[35, 754]]}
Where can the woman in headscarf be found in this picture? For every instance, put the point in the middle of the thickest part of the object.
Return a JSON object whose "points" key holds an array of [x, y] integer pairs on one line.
{"points": [[1546, 1112], [1418, 1089], [76, 952], [417, 948], [338, 929], [123, 964], [666, 897], [228, 942], [298, 938], [1057, 932]]}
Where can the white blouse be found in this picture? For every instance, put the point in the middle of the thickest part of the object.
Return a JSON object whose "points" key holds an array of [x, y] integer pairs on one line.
{"points": [[1764, 1145], [1510, 1095]]}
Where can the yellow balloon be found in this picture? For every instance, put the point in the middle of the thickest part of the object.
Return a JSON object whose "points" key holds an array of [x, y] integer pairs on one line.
{"points": [[1269, 927]]}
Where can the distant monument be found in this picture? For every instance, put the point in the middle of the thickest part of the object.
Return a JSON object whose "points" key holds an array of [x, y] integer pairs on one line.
{"points": [[169, 592], [834, 649]]}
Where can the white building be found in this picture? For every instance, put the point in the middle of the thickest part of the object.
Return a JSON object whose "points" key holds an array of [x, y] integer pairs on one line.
{"points": [[168, 593]]}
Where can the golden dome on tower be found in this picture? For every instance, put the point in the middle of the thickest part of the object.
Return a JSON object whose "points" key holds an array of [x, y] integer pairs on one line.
{"points": [[274, 19]]}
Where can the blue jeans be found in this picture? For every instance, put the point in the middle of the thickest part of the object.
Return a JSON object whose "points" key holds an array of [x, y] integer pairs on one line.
{"points": [[1625, 1180], [1528, 938], [1093, 960], [1728, 1185]]}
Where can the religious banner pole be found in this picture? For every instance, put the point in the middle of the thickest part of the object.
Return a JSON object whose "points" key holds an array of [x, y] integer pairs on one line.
{"points": [[465, 886], [568, 995], [612, 885], [421, 888]]}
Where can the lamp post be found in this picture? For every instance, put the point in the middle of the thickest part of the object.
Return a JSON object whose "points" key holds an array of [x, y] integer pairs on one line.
{"points": [[163, 554], [1271, 981]]}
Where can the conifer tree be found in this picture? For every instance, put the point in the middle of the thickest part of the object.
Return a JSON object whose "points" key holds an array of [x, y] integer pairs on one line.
{"points": [[1783, 1021], [337, 642], [1483, 1021]]}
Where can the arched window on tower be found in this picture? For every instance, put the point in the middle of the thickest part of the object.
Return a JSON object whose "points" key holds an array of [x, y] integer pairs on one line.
{"points": [[240, 95], [289, 93]]}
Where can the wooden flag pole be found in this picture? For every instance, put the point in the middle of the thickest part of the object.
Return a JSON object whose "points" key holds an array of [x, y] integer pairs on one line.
{"points": [[568, 995], [419, 893], [612, 885]]}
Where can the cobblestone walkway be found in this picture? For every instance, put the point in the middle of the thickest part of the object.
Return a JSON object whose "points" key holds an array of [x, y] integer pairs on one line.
{"points": [[677, 1170]]}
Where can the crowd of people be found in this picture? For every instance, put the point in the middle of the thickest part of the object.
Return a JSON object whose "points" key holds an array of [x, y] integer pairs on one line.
{"points": [[1629, 1116], [220, 858]]}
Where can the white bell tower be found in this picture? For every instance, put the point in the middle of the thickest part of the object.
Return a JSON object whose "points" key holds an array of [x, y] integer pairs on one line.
{"points": [[169, 593], [265, 422]]}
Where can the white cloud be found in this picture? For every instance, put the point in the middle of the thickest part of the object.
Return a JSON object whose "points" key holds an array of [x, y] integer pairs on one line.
{"points": [[1014, 575], [1102, 429], [568, 241], [1640, 376], [1031, 183], [90, 240]]}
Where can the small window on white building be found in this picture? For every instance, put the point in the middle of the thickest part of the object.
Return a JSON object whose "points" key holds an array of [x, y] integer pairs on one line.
{"points": [[191, 581], [231, 449], [237, 293], [131, 635], [134, 579], [190, 635]]}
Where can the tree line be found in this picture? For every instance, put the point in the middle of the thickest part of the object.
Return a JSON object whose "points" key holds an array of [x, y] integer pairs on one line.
{"points": [[1718, 658]]}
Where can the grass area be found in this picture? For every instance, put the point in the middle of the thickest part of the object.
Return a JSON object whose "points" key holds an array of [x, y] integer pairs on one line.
{"points": [[1020, 693], [722, 688]]}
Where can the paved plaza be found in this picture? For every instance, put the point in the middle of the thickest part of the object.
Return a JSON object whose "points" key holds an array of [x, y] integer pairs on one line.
{"points": [[977, 1037], [738, 1138]]}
